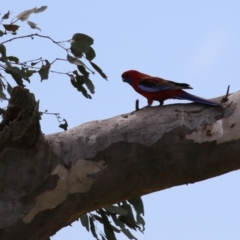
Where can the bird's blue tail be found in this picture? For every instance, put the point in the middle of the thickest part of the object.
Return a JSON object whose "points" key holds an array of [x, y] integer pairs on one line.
{"points": [[187, 96]]}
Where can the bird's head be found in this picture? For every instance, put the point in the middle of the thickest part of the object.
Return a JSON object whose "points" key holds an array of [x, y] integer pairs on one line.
{"points": [[128, 76]]}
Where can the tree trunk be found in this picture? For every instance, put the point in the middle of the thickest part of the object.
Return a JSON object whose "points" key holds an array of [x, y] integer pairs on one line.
{"points": [[47, 182]]}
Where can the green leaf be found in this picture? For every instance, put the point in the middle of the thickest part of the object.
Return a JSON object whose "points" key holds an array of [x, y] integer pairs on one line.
{"points": [[3, 50], [103, 237], [92, 227], [64, 125], [34, 63], [1, 33], [27, 73], [77, 83], [80, 37], [80, 43], [13, 59], [117, 221], [41, 9], [44, 71], [129, 219], [140, 221], [2, 94], [2, 111], [82, 70], [90, 54], [88, 83], [33, 25], [84, 92], [128, 234], [11, 27], [116, 209], [9, 88], [85, 221], [96, 217], [137, 205], [25, 14], [108, 230], [6, 15], [99, 70], [15, 72], [18, 74], [75, 60]]}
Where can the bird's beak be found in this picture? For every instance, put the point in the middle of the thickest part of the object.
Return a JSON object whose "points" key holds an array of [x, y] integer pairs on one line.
{"points": [[123, 79]]}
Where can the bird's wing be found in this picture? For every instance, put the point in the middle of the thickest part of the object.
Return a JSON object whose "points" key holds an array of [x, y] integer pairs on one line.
{"points": [[156, 84]]}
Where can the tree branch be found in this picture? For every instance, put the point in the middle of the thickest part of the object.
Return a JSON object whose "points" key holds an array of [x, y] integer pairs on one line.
{"points": [[102, 162]]}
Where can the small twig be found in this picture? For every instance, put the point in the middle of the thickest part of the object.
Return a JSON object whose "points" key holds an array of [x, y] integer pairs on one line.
{"points": [[12, 22], [38, 68], [60, 120], [37, 59], [61, 42], [225, 99], [137, 105], [57, 59], [37, 35]]}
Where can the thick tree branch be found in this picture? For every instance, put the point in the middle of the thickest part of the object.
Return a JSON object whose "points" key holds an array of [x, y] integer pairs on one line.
{"points": [[67, 174]]}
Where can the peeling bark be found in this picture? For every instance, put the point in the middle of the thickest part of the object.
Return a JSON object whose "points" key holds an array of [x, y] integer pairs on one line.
{"points": [[47, 182]]}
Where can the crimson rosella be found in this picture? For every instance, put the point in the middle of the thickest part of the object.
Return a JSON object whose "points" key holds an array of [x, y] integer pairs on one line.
{"points": [[159, 89]]}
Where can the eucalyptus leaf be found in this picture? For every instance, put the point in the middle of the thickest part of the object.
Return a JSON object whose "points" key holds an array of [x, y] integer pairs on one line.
{"points": [[3, 50], [25, 14], [108, 230], [85, 221], [116, 209], [13, 59], [9, 88], [128, 234], [89, 84], [137, 204], [90, 54], [11, 27], [83, 70], [44, 71], [2, 95], [80, 43], [75, 60], [41, 9], [33, 25], [92, 228], [6, 15], [16, 74], [99, 70]]}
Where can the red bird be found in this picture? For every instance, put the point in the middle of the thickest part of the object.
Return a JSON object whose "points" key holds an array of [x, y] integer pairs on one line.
{"points": [[159, 89]]}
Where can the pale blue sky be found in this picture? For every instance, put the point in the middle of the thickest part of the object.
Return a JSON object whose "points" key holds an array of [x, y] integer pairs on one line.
{"points": [[196, 42]]}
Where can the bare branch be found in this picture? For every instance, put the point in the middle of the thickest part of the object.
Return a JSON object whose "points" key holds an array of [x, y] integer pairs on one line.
{"points": [[37, 35]]}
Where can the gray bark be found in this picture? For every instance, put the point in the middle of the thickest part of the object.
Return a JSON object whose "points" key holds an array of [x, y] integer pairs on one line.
{"points": [[47, 182]]}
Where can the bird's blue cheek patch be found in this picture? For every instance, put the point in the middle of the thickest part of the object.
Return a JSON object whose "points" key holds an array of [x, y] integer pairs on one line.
{"points": [[128, 80]]}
